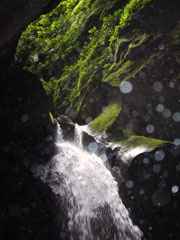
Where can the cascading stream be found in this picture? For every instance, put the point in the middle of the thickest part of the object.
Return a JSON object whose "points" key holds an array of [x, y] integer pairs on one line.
{"points": [[95, 210], [78, 135]]}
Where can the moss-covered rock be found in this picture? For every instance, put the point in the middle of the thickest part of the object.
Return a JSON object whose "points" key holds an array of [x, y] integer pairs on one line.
{"points": [[106, 118], [140, 141], [85, 53]]}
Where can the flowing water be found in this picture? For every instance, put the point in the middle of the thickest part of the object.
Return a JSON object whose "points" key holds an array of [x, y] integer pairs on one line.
{"points": [[95, 210], [78, 136]]}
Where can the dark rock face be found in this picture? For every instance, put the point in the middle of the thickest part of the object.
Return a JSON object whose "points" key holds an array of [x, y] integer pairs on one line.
{"points": [[67, 127], [27, 133], [150, 186], [115, 45], [152, 192], [14, 16], [25, 107], [28, 207]]}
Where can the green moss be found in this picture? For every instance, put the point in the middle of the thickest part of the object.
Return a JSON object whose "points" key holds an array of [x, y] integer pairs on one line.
{"points": [[86, 45], [106, 118], [132, 7], [141, 141], [52, 119], [52, 89], [70, 48], [119, 72], [126, 70], [56, 41]]}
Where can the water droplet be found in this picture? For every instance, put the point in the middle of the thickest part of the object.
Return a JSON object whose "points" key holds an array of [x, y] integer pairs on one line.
{"points": [[70, 224], [93, 147], [175, 189], [176, 117], [159, 155], [126, 87], [157, 86], [35, 58], [167, 113], [150, 128], [150, 228], [177, 141], [161, 47], [24, 118], [171, 84], [146, 160], [160, 108], [141, 192], [129, 184]]}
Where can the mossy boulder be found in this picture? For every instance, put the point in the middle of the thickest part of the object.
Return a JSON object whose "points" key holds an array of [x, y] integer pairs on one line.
{"points": [[106, 118], [102, 52]]}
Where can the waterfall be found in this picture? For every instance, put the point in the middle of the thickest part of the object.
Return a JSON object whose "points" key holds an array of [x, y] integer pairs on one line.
{"points": [[78, 134], [95, 210]]}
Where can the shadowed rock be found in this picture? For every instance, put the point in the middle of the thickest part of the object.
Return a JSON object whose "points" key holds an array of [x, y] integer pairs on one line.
{"points": [[14, 17], [152, 192]]}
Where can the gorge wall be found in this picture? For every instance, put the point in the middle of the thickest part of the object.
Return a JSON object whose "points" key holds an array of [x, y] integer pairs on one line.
{"points": [[93, 54], [25, 124], [112, 64]]}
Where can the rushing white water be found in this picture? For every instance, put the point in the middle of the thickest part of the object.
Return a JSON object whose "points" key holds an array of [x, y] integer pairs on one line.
{"points": [[95, 210], [128, 154], [78, 135]]}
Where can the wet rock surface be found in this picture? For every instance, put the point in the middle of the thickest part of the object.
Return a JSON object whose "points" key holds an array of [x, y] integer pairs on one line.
{"points": [[152, 192], [67, 127], [148, 93], [149, 186], [26, 205], [25, 107]]}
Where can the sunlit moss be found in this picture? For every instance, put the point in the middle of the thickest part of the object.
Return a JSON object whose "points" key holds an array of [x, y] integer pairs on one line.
{"points": [[106, 118], [130, 9], [127, 14], [141, 141], [70, 48]]}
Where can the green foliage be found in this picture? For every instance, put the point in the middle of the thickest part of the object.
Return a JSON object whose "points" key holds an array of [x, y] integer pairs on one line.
{"points": [[77, 45], [106, 118], [86, 45], [130, 9], [141, 141]]}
